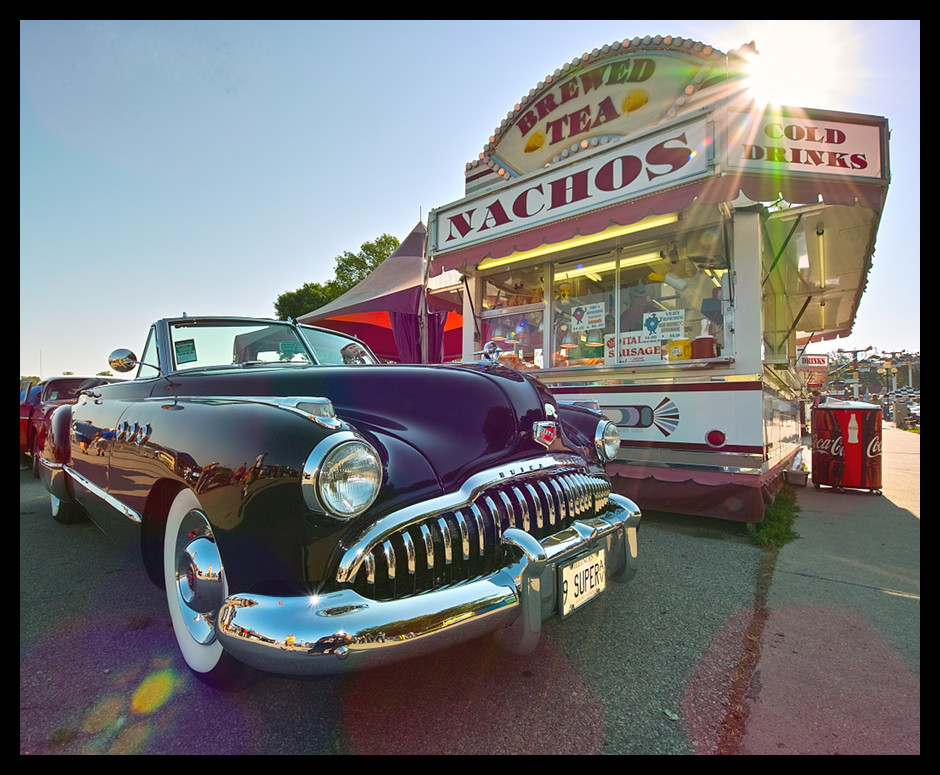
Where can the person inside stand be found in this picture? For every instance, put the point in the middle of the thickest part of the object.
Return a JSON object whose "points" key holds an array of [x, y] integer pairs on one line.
{"points": [[638, 303]]}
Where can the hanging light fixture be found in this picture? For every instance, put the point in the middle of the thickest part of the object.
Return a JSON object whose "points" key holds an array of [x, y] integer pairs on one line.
{"points": [[595, 337]]}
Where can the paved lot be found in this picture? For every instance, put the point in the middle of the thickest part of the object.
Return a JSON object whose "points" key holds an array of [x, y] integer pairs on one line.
{"points": [[662, 665], [839, 670], [645, 669]]}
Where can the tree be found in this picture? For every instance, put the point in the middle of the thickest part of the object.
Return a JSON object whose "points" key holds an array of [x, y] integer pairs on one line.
{"points": [[351, 268], [310, 296]]}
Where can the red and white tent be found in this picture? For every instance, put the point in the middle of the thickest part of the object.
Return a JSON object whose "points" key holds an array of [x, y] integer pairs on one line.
{"points": [[384, 310]]}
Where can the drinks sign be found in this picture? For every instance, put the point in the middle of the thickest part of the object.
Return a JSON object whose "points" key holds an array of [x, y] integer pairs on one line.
{"points": [[803, 141]]}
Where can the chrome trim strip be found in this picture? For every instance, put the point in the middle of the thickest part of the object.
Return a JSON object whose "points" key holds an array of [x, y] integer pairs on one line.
{"points": [[523, 508], [496, 519], [389, 554], [409, 552], [536, 505], [428, 548], [464, 535], [93, 489], [550, 502], [510, 512], [287, 403], [478, 518], [445, 535]]}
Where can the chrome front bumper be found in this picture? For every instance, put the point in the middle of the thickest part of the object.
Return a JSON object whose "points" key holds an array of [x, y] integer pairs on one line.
{"points": [[343, 631]]}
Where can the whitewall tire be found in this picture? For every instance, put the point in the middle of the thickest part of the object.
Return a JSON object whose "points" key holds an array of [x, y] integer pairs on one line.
{"points": [[196, 586]]}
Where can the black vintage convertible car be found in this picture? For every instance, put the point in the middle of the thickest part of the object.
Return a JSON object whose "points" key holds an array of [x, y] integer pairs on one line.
{"points": [[310, 511]]}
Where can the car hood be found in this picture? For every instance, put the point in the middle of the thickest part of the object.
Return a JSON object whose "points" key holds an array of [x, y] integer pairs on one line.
{"points": [[460, 418]]}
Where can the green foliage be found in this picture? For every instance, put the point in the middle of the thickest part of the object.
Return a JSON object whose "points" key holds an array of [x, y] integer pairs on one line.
{"points": [[310, 296], [777, 527], [351, 268]]}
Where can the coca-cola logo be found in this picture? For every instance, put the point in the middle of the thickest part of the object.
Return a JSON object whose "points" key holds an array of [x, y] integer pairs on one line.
{"points": [[874, 447], [833, 446]]}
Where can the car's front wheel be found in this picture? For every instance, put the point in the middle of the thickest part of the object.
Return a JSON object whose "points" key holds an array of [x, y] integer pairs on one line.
{"points": [[196, 587]]}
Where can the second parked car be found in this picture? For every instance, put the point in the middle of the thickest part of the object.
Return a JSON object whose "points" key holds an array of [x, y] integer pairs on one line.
{"points": [[37, 401]]}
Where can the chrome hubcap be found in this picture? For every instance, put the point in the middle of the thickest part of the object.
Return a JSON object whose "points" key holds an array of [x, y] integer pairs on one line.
{"points": [[200, 580]]}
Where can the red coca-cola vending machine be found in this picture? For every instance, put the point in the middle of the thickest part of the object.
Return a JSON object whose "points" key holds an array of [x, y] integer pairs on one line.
{"points": [[847, 445]]}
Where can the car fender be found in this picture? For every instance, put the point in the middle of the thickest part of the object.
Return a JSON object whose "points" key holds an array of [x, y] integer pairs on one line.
{"points": [[56, 453], [243, 458]]}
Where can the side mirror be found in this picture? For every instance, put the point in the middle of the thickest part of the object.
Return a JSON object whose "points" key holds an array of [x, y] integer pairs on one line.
{"points": [[122, 360]]}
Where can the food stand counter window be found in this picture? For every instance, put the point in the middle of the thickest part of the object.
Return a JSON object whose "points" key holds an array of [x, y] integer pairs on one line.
{"points": [[641, 305], [513, 313]]}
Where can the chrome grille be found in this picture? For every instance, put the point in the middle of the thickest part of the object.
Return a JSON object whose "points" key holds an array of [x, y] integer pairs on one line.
{"points": [[465, 542]]}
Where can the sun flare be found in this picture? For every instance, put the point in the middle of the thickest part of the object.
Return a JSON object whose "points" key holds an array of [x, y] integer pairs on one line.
{"points": [[808, 63]]}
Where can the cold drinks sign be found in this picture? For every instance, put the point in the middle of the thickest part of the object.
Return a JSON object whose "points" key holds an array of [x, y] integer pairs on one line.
{"points": [[797, 141]]}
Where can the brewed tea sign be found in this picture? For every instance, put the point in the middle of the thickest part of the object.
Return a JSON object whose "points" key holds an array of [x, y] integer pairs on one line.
{"points": [[613, 97]]}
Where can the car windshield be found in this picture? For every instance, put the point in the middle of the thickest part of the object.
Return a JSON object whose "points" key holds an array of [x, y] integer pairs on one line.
{"points": [[63, 389], [202, 344], [332, 348]]}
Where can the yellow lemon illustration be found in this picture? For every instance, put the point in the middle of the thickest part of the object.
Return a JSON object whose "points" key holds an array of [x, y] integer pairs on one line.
{"points": [[535, 142], [635, 100]]}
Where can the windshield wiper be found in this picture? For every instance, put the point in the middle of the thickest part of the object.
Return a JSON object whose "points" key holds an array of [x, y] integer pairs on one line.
{"points": [[246, 364]]}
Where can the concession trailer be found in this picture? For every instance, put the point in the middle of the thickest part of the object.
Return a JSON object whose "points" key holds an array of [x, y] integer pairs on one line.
{"points": [[653, 242]]}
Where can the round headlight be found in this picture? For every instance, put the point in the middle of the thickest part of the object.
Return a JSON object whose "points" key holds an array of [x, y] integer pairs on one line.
{"points": [[344, 479], [607, 440]]}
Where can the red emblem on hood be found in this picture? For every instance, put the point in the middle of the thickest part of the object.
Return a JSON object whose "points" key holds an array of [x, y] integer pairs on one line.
{"points": [[545, 432]]}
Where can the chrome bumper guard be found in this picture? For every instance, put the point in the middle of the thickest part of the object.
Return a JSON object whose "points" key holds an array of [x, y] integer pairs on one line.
{"points": [[343, 631]]}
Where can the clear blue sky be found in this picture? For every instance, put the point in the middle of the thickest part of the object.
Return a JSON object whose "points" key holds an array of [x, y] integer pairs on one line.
{"points": [[207, 167]]}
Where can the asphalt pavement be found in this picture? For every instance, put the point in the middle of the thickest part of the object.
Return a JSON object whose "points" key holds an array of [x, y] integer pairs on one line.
{"points": [[839, 666], [662, 665]]}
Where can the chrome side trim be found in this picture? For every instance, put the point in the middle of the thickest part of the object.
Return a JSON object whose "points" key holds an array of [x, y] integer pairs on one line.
{"points": [[320, 409], [93, 489]]}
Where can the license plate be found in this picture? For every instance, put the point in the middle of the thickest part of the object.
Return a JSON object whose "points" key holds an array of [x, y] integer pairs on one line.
{"points": [[581, 580]]}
